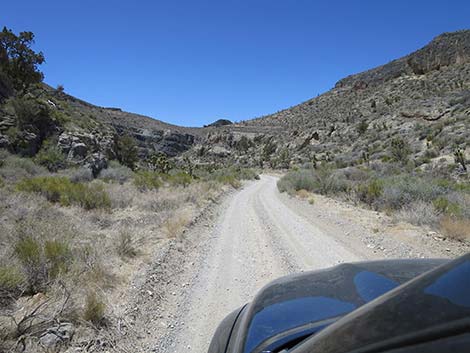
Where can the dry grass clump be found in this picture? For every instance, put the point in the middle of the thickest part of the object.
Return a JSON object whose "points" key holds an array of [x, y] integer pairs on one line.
{"points": [[455, 228], [122, 195], [302, 193], [174, 225], [419, 213], [94, 308], [126, 245]]}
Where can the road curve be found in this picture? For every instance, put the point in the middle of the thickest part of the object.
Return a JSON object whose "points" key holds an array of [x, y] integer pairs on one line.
{"points": [[256, 239]]}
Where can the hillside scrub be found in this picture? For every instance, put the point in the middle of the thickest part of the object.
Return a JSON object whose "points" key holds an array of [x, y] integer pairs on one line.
{"points": [[67, 193], [420, 199], [73, 243]]}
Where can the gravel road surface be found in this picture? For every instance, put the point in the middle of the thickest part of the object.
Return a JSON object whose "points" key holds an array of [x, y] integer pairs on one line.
{"points": [[257, 238]]}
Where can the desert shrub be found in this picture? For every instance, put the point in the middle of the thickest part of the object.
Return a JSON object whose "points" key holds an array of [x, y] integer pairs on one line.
{"points": [[400, 150], [370, 192], [459, 203], [146, 180], [179, 179], [11, 280], [443, 205], [419, 213], [329, 182], [14, 168], [63, 191], [322, 180], [94, 308], [403, 190], [229, 180], [231, 176], [28, 252], [456, 228], [116, 172], [42, 261], [58, 257], [297, 180], [174, 225], [121, 196], [125, 149], [81, 175], [125, 246], [51, 157]]}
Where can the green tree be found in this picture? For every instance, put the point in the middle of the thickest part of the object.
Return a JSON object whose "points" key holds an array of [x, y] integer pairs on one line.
{"points": [[126, 151], [18, 61], [268, 149]]}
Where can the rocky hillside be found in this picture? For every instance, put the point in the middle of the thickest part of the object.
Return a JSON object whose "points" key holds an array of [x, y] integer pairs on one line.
{"points": [[86, 133], [422, 99]]}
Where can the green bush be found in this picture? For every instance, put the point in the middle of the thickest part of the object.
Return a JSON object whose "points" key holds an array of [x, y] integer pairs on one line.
{"points": [[146, 180], [42, 261], [322, 180], [125, 149], [51, 157], [57, 255], [297, 180], [443, 205], [180, 178], [400, 150], [405, 189], [10, 279], [63, 191], [28, 251], [370, 192]]}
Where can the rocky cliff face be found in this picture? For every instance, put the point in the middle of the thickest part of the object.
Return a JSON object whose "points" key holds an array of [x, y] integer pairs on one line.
{"points": [[86, 133]]}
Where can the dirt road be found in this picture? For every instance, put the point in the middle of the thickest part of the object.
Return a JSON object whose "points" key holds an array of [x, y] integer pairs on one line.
{"points": [[254, 236], [257, 238]]}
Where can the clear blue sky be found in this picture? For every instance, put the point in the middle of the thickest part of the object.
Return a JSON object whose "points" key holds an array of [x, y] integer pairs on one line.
{"points": [[191, 62]]}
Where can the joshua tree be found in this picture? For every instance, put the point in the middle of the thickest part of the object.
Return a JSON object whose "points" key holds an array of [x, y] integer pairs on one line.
{"points": [[459, 157]]}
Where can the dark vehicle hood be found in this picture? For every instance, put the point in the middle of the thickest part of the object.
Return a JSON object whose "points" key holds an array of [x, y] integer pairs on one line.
{"points": [[302, 304], [430, 312]]}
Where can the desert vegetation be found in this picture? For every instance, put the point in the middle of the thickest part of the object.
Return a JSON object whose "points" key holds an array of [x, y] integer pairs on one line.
{"points": [[70, 242], [429, 197]]}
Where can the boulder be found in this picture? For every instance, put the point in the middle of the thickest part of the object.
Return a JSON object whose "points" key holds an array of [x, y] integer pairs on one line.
{"points": [[78, 150], [57, 335], [96, 162]]}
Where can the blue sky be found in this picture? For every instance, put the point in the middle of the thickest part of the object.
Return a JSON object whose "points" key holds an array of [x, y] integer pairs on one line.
{"points": [[191, 62]]}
